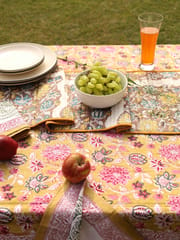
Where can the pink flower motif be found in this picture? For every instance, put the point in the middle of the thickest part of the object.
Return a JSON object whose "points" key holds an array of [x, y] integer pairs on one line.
{"points": [[36, 165], [163, 220], [157, 164], [158, 196], [24, 221], [6, 188], [138, 169], [80, 145], [4, 229], [108, 49], [143, 193], [36, 146], [137, 185], [96, 141], [22, 198], [125, 199], [151, 146], [113, 197], [97, 187], [174, 204], [170, 152], [122, 149], [39, 204], [99, 156], [9, 195], [34, 183], [13, 170], [1, 176], [115, 175], [56, 152]]}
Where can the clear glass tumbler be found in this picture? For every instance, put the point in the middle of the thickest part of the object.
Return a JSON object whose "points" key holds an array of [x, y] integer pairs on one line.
{"points": [[150, 24]]}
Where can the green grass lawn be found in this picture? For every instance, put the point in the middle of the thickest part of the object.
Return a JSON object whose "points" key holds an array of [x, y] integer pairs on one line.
{"points": [[67, 22]]}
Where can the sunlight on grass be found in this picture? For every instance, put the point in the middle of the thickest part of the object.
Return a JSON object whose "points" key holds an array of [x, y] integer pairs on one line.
{"points": [[84, 22]]}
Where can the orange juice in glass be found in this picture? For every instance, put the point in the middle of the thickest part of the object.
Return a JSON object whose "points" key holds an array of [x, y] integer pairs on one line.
{"points": [[149, 29]]}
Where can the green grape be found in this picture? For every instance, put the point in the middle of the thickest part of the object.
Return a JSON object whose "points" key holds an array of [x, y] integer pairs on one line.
{"points": [[93, 75], [80, 82], [110, 91], [83, 89], [97, 92], [112, 75], [110, 85], [99, 86], [84, 78], [93, 80], [100, 81], [100, 69], [97, 73], [90, 85], [115, 84], [89, 90], [118, 79]]}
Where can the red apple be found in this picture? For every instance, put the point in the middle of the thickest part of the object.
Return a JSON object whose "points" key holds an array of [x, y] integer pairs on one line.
{"points": [[76, 167], [8, 147]]}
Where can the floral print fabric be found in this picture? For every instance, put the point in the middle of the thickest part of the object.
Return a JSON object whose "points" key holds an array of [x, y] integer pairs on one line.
{"points": [[137, 175]]}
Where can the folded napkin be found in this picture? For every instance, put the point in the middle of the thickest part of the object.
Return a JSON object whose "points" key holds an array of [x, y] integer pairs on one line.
{"points": [[75, 206], [11, 122], [150, 107]]}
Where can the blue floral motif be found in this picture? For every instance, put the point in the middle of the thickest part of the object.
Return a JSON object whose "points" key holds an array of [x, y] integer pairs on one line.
{"points": [[149, 104], [46, 105], [22, 100]]}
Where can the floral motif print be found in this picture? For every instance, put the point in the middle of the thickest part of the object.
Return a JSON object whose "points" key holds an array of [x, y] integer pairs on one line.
{"points": [[115, 175], [174, 203], [137, 185], [56, 152], [164, 220], [96, 141], [158, 165], [45, 136], [24, 221], [7, 194], [35, 164], [39, 204], [101, 156], [4, 229], [170, 152], [165, 181], [36, 183], [97, 187], [158, 138], [143, 193], [6, 187]]}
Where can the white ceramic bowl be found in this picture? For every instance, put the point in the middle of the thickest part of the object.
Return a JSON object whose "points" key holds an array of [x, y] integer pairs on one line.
{"points": [[102, 101]]}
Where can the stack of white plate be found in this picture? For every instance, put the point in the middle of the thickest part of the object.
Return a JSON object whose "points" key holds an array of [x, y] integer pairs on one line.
{"points": [[22, 63]]}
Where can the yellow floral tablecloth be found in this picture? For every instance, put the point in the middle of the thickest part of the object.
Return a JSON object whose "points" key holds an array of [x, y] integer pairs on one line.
{"points": [[132, 191]]}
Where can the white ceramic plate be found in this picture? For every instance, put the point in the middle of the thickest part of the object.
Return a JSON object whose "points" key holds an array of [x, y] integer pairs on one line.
{"points": [[48, 64], [17, 57]]}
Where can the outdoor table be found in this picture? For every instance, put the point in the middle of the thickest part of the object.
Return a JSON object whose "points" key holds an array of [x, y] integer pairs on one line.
{"points": [[132, 191]]}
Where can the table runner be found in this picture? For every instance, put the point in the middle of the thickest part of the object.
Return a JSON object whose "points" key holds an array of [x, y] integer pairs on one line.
{"points": [[150, 107]]}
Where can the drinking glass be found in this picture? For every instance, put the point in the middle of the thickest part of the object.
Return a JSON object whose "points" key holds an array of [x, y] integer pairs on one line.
{"points": [[150, 24]]}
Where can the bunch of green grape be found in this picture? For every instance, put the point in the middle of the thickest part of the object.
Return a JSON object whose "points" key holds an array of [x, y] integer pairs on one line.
{"points": [[99, 81]]}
